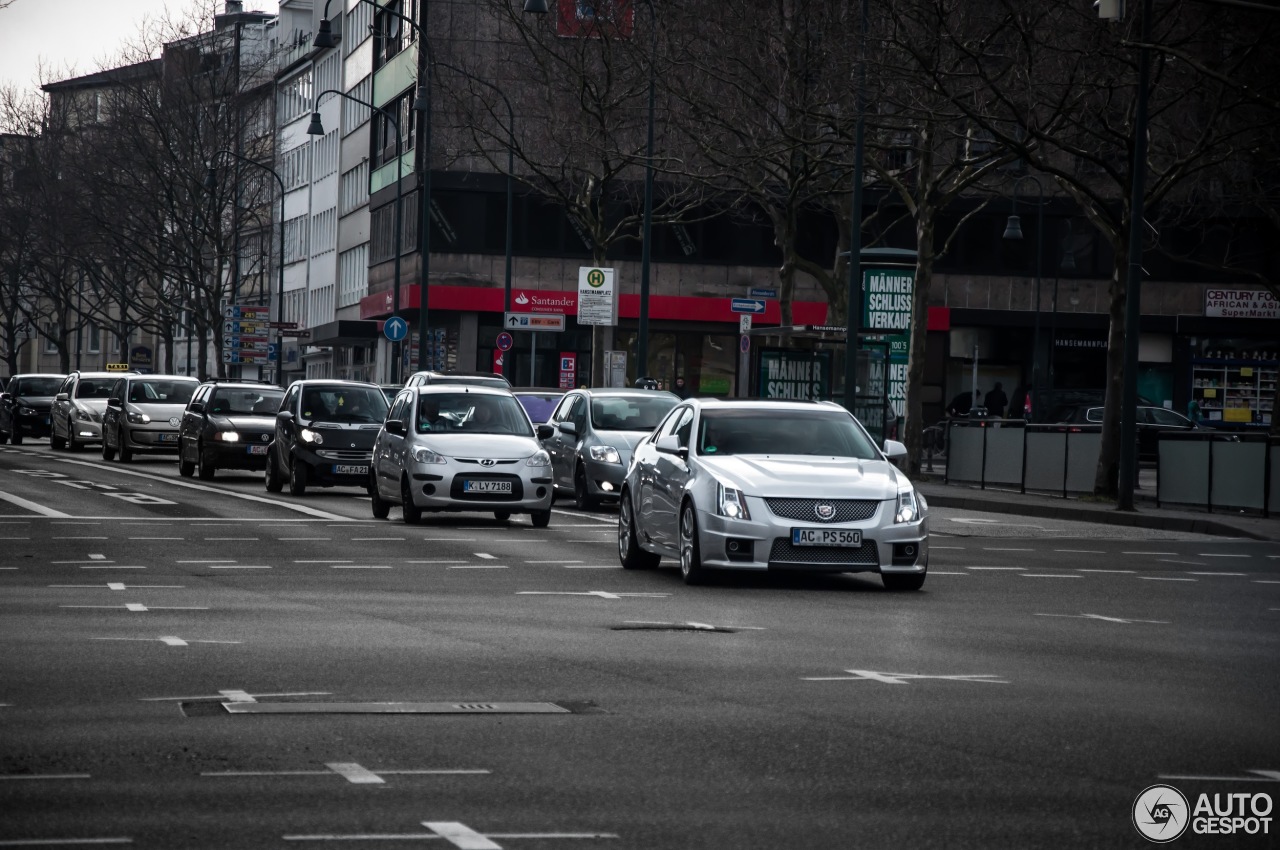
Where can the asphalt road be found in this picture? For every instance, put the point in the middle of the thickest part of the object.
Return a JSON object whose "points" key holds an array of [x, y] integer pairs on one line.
{"points": [[197, 664]]}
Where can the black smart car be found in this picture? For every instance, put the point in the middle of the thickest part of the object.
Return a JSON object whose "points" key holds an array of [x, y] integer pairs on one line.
{"points": [[227, 425], [25, 404], [324, 435]]}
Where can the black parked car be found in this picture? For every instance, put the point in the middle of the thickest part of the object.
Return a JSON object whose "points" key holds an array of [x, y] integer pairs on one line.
{"points": [[227, 425], [24, 406], [323, 435], [1152, 422]]}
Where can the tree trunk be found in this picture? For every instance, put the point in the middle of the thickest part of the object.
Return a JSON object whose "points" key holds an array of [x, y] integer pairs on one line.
{"points": [[914, 416]]}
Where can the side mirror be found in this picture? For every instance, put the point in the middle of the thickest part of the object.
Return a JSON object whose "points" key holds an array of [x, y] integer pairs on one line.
{"points": [[545, 432], [894, 449], [670, 444], [6, 396], [196, 407], [567, 427], [113, 402], [285, 416], [394, 426], [61, 397]]}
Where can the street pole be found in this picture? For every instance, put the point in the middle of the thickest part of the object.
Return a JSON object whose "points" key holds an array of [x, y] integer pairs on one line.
{"points": [[853, 292], [642, 328], [1133, 281]]}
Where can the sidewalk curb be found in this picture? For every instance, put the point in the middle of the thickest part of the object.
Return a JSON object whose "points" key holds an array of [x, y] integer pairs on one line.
{"points": [[1136, 519]]}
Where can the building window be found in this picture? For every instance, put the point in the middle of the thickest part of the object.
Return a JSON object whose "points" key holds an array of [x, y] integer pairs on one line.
{"points": [[51, 336], [296, 233], [353, 189], [95, 338], [356, 114], [359, 26], [353, 275]]}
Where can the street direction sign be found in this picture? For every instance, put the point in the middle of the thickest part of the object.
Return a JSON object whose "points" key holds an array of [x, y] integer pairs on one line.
{"points": [[395, 328], [762, 292], [259, 312], [747, 305], [288, 325], [505, 341], [305, 334], [553, 322]]}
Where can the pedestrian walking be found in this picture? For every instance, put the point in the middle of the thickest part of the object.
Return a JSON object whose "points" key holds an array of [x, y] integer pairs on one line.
{"points": [[996, 402]]}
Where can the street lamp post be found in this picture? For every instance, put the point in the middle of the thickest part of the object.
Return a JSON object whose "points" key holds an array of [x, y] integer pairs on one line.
{"points": [[210, 183], [422, 105], [316, 128], [853, 292], [1013, 231]]}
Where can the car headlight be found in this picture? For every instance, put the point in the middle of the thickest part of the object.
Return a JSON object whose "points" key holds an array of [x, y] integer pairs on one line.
{"points": [[227, 436], [26, 411], [422, 454], [605, 454], [83, 415], [138, 418], [309, 436], [908, 508], [731, 503], [539, 458]]}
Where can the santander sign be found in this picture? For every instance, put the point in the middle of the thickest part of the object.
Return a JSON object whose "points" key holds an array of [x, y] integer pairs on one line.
{"points": [[543, 302]]}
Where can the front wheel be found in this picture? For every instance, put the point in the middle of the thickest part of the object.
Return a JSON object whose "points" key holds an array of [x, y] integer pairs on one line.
{"points": [[541, 519], [186, 468], [72, 445], [582, 498], [205, 464], [502, 516], [107, 452], [629, 552], [381, 509], [126, 454], [690, 552], [15, 437], [298, 477], [412, 513], [274, 482], [56, 442]]}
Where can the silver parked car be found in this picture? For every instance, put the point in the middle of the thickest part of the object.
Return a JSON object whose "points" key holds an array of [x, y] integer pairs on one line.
{"points": [[143, 414], [771, 485], [459, 448], [591, 435]]}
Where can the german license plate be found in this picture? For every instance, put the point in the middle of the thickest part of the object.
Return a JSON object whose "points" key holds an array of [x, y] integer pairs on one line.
{"points": [[826, 537], [344, 469], [257, 450], [469, 486], [167, 438]]}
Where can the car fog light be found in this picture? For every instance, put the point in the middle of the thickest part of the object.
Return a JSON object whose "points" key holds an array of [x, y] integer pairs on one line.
{"points": [[606, 486]]}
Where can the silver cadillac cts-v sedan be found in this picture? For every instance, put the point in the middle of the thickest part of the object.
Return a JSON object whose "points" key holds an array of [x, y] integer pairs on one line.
{"points": [[725, 484]]}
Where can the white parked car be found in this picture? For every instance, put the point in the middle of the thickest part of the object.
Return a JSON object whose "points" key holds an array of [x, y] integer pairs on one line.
{"points": [[450, 447], [726, 484]]}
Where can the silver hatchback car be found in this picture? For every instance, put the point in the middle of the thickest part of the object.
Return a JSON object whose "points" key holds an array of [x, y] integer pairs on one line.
{"points": [[771, 485], [459, 448], [143, 414]]}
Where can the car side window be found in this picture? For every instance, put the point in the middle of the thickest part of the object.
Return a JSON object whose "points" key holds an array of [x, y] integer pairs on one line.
{"points": [[562, 409], [67, 384], [579, 413], [1167, 417], [684, 428], [290, 398], [117, 389], [397, 409]]}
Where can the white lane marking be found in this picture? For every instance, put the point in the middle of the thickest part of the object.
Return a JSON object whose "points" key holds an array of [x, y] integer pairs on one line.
{"points": [[220, 694], [231, 538], [120, 567], [32, 506], [553, 561], [602, 594], [119, 585], [461, 836], [169, 640], [477, 567], [1049, 575], [157, 538], [1220, 555], [237, 695], [44, 776], [79, 537], [995, 568], [238, 567], [319, 539], [1164, 578], [583, 541], [940, 573], [903, 678], [62, 842], [116, 469], [354, 773], [15, 538], [592, 567], [326, 561], [1004, 549], [1262, 776], [1185, 563], [588, 517], [1081, 551], [1148, 553], [138, 607], [374, 539], [449, 539], [359, 567], [485, 555], [425, 836], [1116, 572], [222, 561], [1264, 581], [956, 548], [444, 561], [58, 563], [1191, 573], [1103, 618], [97, 557]]}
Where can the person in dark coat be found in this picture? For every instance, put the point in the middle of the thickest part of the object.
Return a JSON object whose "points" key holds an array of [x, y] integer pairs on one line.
{"points": [[680, 389], [962, 404], [996, 402]]}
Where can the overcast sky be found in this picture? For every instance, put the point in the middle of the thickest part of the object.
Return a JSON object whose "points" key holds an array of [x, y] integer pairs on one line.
{"points": [[83, 34]]}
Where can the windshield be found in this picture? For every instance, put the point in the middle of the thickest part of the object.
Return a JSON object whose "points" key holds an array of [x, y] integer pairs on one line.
{"points": [[539, 407], [35, 386], [94, 388], [825, 433], [471, 413], [473, 380], [630, 413], [357, 405], [162, 392], [228, 401]]}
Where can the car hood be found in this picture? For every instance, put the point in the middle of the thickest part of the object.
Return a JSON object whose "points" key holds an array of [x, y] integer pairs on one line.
{"points": [[806, 476], [40, 402], [244, 423], [345, 435], [159, 410], [621, 439], [96, 404], [496, 446]]}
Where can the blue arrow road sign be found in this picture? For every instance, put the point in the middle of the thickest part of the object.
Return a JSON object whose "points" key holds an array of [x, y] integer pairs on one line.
{"points": [[395, 328], [746, 305]]}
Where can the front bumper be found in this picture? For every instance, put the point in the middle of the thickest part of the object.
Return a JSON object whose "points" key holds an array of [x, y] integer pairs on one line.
{"points": [[446, 487], [240, 455], [142, 438], [336, 468], [37, 424], [764, 543], [604, 480]]}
